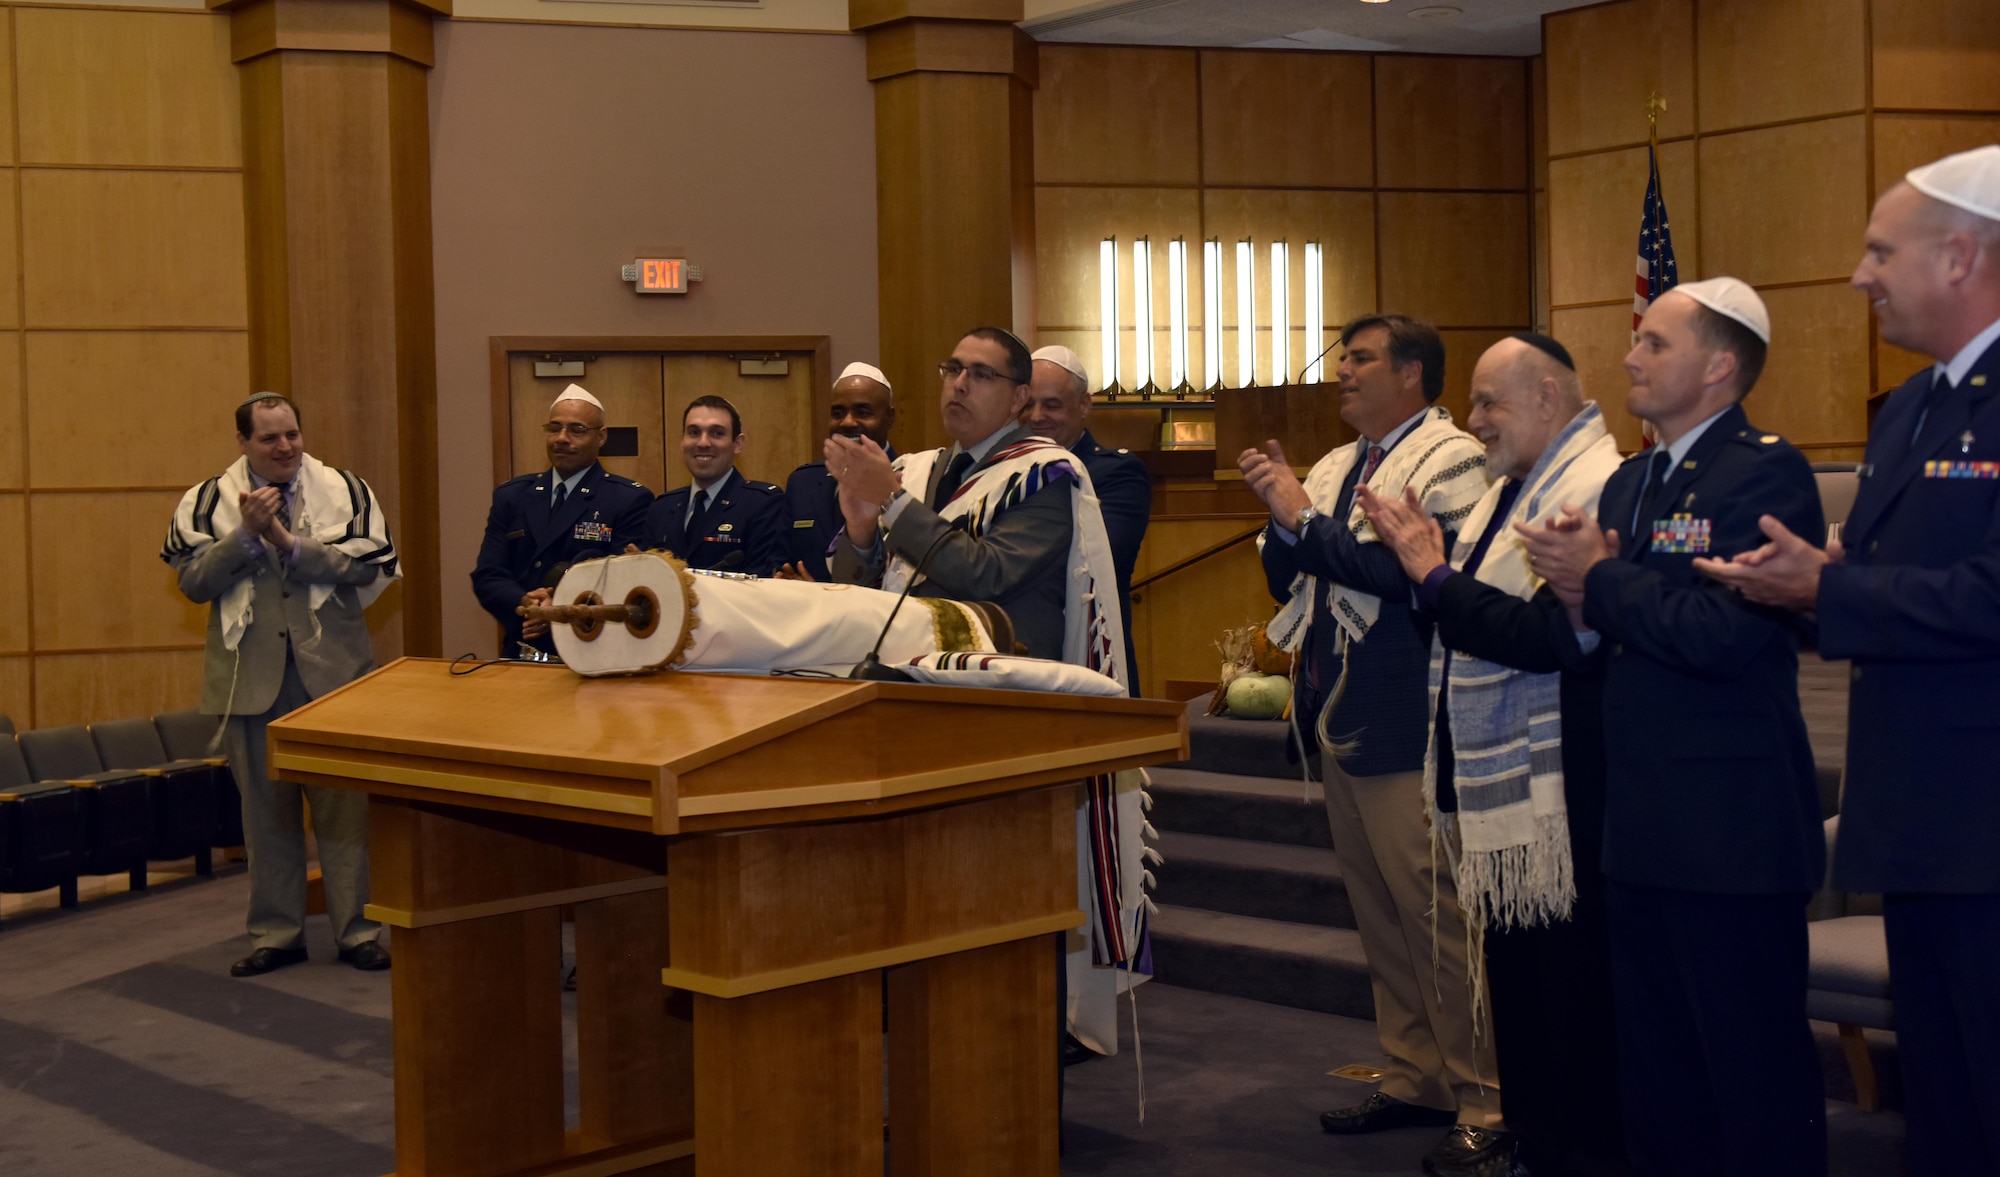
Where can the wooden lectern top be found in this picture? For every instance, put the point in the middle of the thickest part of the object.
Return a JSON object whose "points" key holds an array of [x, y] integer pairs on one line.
{"points": [[683, 752]]}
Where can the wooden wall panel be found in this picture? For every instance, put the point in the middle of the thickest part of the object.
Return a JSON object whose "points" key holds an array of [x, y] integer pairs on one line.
{"points": [[1797, 197], [1293, 119], [1450, 122], [1597, 199], [1815, 385], [1070, 225], [127, 88], [1462, 350], [162, 401], [1543, 273], [1456, 259], [13, 446], [16, 697], [1116, 115], [10, 253], [1893, 364], [1937, 54], [82, 688], [133, 249], [7, 154], [1602, 63], [1780, 59], [1597, 339], [780, 429], [1178, 621], [1904, 141], [113, 590], [14, 573], [1342, 222]]}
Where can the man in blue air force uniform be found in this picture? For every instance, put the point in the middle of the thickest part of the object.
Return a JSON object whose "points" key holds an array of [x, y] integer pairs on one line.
{"points": [[721, 520], [542, 523], [1912, 596], [1059, 409], [863, 406], [1712, 837]]}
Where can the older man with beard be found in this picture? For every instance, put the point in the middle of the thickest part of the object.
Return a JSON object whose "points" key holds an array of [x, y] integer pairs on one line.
{"points": [[1516, 762]]}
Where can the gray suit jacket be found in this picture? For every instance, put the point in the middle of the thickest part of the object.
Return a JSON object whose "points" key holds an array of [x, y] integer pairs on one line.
{"points": [[1020, 563], [331, 648]]}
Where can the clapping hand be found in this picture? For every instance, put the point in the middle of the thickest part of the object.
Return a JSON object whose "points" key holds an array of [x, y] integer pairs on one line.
{"points": [[1784, 572], [1407, 528], [1270, 478]]}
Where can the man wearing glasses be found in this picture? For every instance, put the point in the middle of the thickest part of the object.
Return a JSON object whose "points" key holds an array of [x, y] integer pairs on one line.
{"points": [[542, 523]]}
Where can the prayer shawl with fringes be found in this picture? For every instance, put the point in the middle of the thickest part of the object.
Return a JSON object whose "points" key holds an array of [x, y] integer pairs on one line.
{"points": [[1111, 824], [1512, 831]]}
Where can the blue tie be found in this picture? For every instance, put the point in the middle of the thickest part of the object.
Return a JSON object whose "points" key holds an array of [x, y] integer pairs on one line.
{"points": [[1656, 481]]}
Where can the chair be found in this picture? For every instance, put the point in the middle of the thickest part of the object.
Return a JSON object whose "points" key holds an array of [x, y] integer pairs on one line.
{"points": [[180, 793], [40, 827], [1838, 484], [1847, 976], [115, 803], [190, 735]]}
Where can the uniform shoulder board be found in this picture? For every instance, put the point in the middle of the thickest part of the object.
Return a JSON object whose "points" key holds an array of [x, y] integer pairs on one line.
{"points": [[1124, 451], [524, 478], [765, 487], [621, 480]]}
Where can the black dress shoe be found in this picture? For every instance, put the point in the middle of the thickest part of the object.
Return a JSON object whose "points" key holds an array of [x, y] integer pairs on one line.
{"points": [[1074, 1051], [1467, 1151], [265, 960], [1379, 1113], [369, 957]]}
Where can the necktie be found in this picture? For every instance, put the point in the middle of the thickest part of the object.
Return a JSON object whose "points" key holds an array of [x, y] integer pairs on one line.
{"points": [[284, 508], [1939, 390], [1656, 481], [562, 495], [700, 512], [954, 476], [1375, 455]]}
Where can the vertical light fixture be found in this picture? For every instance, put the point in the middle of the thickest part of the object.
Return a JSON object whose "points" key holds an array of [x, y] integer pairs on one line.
{"points": [[1246, 315], [1142, 311], [1177, 316], [1281, 313], [1107, 285], [1211, 313], [1315, 316]]}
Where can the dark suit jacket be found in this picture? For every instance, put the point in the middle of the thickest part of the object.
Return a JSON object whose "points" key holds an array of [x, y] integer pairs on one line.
{"points": [[1020, 563], [813, 499], [1711, 781], [527, 546], [744, 530], [1125, 496], [1916, 605]]}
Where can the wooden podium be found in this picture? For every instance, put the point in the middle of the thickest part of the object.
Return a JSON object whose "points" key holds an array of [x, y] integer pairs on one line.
{"points": [[782, 852]]}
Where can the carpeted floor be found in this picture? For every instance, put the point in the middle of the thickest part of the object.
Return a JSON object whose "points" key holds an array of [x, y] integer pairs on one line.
{"points": [[126, 1049]]}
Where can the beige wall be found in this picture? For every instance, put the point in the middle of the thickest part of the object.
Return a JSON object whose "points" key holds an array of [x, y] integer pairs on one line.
{"points": [[123, 346], [1772, 148], [558, 153]]}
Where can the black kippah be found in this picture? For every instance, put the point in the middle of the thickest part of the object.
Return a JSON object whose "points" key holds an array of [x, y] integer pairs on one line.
{"points": [[1546, 346]]}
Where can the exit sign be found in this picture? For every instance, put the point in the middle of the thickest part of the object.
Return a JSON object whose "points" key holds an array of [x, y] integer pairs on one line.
{"points": [[661, 275]]}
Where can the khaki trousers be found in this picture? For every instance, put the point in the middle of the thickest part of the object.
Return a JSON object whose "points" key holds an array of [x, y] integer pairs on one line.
{"points": [[1438, 1056]]}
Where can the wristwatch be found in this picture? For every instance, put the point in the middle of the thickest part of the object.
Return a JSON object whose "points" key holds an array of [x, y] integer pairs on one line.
{"points": [[1306, 515]]}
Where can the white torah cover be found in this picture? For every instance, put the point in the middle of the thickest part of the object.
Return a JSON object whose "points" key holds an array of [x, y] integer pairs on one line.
{"points": [[1108, 955], [1513, 861], [332, 506]]}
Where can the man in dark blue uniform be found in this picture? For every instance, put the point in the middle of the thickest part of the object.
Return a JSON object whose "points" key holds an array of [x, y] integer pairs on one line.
{"points": [[1712, 837], [863, 406], [721, 520], [1059, 409], [1912, 595], [542, 523]]}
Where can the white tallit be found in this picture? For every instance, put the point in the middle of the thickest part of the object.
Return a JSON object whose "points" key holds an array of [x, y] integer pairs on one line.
{"points": [[1513, 863], [332, 506]]}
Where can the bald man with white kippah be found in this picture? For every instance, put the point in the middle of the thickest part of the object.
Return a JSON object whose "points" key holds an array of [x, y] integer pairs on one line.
{"points": [[1911, 594], [541, 523], [863, 405]]}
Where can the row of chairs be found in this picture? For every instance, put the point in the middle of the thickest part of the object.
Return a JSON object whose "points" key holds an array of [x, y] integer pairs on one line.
{"points": [[109, 798]]}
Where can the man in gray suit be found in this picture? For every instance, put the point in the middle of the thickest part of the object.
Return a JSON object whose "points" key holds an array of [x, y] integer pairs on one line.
{"points": [[287, 552]]}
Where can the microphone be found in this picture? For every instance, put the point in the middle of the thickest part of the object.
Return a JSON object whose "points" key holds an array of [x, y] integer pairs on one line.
{"points": [[732, 560], [871, 667], [1316, 359]]}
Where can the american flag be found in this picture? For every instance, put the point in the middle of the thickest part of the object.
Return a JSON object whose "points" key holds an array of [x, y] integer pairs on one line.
{"points": [[1656, 272]]}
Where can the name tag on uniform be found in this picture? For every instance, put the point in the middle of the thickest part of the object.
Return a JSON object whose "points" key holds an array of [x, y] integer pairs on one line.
{"points": [[1962, 469], [1682, 535], [517, 533], [593, 532], [802, 525]]}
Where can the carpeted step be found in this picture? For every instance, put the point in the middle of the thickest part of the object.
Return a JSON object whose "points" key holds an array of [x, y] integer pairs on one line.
{"points": [[1247, 747], [1299, 884], [1259, 808], [1299, 965]]}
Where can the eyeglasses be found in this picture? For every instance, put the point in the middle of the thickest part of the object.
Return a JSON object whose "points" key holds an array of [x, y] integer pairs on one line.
{"points": [[952, 370], [573, 428]]}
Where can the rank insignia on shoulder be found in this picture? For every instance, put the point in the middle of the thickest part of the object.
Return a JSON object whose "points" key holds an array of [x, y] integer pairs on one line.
{"points": [[1682, 535], [592, 531], [802, 525], [725, 527], [1979, 381], [1688, 465], [1770, 439], [1962, 469]]}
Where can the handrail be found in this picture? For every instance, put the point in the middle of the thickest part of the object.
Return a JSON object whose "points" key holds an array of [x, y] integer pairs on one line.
{"points": [[1211, 550]]}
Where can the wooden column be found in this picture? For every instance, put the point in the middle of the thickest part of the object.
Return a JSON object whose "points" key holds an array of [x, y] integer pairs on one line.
{"points": [[337, 209], [954, 165]]}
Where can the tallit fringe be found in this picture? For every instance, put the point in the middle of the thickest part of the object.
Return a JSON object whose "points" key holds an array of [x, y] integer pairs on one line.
{"points": [[1339, 749], [1525, 886]]}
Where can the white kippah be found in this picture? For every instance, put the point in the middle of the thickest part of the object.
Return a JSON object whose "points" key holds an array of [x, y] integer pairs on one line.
{"points": [[576, 392], [1734, 298], [1065, 359], [857, 368], [1969, 180]]}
